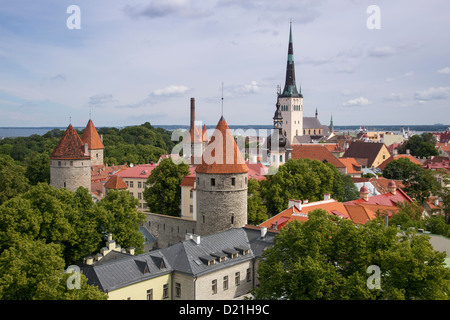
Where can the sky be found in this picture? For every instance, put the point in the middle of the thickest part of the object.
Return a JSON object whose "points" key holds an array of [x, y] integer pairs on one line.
{"points": [[128, 62]]}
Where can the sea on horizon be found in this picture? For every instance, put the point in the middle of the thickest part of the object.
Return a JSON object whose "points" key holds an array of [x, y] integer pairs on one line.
{"points": [[12, 132]]}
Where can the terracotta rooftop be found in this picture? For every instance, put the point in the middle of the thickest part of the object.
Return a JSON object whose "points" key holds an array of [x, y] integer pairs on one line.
{"points": [[141, 171], [351, 164], [222, 155], [91, 137], [70, 147], [315, 152], [116, 183], [366, 150]]}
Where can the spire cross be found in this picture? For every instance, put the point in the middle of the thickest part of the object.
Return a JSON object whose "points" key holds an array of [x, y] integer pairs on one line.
{"points": [[222, 99]]}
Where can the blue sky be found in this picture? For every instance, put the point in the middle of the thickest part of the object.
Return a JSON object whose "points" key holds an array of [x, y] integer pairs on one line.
{"points": [[137, 61]]}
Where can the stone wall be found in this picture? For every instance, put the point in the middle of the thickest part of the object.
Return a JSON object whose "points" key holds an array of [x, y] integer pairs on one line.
{"points": [[168, 230], [221, 202], [70, 174]]}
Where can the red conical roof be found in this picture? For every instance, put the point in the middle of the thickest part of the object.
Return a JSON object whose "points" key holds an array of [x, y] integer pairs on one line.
{"points": [[91, 137], [70, 147], [222, 154], [116, 183]]}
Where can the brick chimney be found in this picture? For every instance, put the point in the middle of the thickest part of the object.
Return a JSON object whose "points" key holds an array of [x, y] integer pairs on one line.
{"points": [[192, 112]]}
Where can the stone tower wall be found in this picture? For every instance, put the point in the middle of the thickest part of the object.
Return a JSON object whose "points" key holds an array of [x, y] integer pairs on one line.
{"points": [[70, 174], [96, 156], [223, 205]]}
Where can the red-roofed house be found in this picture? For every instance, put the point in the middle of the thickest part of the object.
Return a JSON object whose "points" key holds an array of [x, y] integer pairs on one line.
{"points": [[135, 178], [317, 152]]}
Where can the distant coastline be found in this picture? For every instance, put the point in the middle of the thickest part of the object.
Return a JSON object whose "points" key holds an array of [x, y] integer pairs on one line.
{"points": [[11, 132]]}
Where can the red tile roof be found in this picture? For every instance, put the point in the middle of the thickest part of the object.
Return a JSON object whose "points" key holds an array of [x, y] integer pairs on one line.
{"points": [[141, 171], [116, 183], [222, 155], [70, 147], [315, 152], [351, 164], [91, 137]]}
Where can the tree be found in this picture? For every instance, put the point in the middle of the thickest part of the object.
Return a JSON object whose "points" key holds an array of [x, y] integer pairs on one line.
{"points": [[163, 192], [304, 179], [38, 168], [34, 270], [328, 258], [122, 218], [256, 210], [12, 179], [419, 183], [420, 145]]}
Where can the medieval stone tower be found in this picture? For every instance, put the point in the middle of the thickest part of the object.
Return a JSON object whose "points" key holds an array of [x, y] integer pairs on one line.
{"points": [[221, 185], [70, 162], [94, 142]]}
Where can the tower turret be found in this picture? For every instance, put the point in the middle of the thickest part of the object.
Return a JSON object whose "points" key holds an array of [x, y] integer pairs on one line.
{"points": [[70, 162], [94, 142], [221, 186]]}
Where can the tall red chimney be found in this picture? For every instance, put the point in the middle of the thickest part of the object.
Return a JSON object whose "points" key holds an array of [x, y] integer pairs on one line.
{"points": [[192, 112]]}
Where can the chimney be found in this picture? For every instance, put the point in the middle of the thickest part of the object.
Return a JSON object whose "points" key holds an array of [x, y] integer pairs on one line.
{"points": [[295, 203], [395, 152], [192, 112], [196, 238], [188, 236], [89, 260], [364, 193], [305, 201], [326, 196], [131, 251], [263, 232], [408, 152], [436, 202]]}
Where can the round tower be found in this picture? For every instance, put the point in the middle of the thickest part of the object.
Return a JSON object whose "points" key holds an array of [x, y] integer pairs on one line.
{"points": [[70, 162], [221, 185], [94, 142]]}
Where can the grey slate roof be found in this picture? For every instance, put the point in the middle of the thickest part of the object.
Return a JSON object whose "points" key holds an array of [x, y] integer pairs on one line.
{"points": [[189, 257], [311, 123], [131, 269], [186, 257]]}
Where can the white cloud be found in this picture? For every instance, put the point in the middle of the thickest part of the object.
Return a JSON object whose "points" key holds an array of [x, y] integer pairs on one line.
{"points": [[394, 97], [100, 99], [432, 93], [357, 102], [382, 51], [170, 91], [249, 88], [445, 70]]}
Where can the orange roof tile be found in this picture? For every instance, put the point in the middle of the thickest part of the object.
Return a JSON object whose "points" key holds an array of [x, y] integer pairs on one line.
{"points": [[115, 182], [70, 147], [91, 137], [382, 166], [351, 164], [222, 155]]}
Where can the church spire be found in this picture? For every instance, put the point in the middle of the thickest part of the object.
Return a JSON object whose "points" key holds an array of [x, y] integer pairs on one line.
{"points": [[290, 87]]}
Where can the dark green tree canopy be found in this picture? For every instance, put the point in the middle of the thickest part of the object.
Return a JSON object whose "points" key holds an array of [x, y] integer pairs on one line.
{"points": [[329, 258], [163, 192]]}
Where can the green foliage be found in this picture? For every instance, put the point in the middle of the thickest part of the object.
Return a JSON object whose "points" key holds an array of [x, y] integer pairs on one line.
{"points": [[122, 219], [327, 258], [420, 146], [37, 168], [256, 210], [12, 179], [34, 270], [305, 179], [419, 183], [163, 192]]}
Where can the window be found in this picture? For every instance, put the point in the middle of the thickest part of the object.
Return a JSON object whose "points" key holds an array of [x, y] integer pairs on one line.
{"points": [[131, 184], [232, 219], [249, 275], [139, 184], [165, 291], [214, 286], [59, 163], [71, 163], [139, 195], [203, 218], [237, 278], [225, 283], [191, 208], [213, 181], [150, 294], [191, 194], [64, 184], [233, 181], [178, 290]]}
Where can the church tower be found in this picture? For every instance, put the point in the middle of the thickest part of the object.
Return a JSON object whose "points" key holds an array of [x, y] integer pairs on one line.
{"points": [[94, 142], [277, 145], [70, 162], [291, 99], [221, 185]]}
